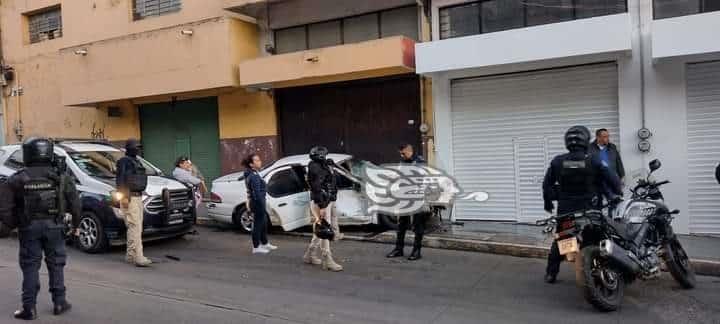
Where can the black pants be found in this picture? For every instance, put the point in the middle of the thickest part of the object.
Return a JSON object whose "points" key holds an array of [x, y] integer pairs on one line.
{"points": [[418, 224], [554, 260], [42, 236], [260, 224]]}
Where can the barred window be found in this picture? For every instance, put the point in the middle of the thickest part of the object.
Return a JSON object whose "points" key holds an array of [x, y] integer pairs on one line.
{"points": [[45, 25], [150, 8]]}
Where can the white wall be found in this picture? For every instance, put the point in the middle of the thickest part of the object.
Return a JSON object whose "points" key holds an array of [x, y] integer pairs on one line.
{"points": [[686, 35], [577, 38], [665, 103]]}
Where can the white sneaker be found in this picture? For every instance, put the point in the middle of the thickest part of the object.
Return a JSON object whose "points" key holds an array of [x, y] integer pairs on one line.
{"points": [[260, 250], [269, 247]]}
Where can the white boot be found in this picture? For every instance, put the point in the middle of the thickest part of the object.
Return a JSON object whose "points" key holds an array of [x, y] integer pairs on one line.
{"points": [[311, 256], [327, 260]]}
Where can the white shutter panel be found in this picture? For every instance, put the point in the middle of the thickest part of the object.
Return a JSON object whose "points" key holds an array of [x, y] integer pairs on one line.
{"points": [[703, 118], [498, 120]]}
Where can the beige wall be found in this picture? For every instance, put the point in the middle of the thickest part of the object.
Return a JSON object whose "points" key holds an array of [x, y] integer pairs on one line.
{"points": [[121, 52], [375, 58], [247, 114]]}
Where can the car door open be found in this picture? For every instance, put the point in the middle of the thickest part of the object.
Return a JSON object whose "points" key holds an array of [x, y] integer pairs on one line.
{"points": [[288, 198]]}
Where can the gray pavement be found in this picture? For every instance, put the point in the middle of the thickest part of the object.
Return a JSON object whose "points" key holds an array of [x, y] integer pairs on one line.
{"points": [[217, 280]]}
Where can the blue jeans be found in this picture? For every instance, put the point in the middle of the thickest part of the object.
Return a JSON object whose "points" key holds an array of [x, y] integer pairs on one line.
{"points": [[260, 224]]}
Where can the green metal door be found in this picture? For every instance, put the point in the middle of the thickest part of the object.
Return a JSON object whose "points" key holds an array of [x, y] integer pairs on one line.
{"points": [[189, 127]]}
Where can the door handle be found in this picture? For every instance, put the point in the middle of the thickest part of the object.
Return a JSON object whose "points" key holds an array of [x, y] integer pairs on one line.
{"points": [[282, 204]]}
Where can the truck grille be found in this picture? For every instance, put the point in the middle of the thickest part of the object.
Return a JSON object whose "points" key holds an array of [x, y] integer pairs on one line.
{"points": [[179, 199]]}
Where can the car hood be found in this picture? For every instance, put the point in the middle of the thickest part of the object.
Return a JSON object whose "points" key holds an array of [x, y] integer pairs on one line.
{"points": [[155, 185]]}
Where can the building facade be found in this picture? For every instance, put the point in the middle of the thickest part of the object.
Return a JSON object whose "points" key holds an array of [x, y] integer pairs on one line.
{"points": [[342, 73], [509, 77], [162, 71]]}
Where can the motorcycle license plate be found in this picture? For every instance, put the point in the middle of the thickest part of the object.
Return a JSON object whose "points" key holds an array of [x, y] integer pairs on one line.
{"points": [[568, 246]]}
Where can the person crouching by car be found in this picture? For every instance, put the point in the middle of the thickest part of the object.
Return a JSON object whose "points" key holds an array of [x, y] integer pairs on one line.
{"points": [[257, 189], [323, 194]]}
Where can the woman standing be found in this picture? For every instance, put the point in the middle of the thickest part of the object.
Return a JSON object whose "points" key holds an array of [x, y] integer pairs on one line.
{"points": [[256, 188], [323, 194]]}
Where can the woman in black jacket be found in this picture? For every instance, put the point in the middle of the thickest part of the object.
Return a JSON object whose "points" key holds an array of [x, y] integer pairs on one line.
{"points": [[257, 189], [323, 194]]}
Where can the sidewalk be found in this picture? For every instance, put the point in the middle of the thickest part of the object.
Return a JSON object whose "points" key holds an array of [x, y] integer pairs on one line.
{"points": [[528, 241]]}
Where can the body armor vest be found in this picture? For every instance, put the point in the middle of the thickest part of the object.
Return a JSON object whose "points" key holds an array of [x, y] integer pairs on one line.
{"points": [[41, 198], [577, 178]]}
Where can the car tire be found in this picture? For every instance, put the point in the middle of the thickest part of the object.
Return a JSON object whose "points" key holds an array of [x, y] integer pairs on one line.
{"points": [[388, 222], [92, 237], [4, 231], [242, 220]]}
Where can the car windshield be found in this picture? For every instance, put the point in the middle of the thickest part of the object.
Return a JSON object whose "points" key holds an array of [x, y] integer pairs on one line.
{"points": [[101, 164]]}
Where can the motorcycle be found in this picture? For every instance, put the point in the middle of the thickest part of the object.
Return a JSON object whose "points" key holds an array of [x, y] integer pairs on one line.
{"points": [[628, 244]]}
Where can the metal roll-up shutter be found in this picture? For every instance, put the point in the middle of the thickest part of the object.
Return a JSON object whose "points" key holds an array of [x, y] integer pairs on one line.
{"points": [[703, 128], [507, 128]]}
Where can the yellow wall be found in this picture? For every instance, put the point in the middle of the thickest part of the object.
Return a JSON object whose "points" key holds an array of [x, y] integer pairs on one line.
{"points": [[42, 71], [246, 114]]}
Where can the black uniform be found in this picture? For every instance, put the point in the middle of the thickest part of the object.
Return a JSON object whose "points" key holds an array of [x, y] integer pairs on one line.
{"points": [[37, 198], [419, 221], [578, 181], [323, 185]]}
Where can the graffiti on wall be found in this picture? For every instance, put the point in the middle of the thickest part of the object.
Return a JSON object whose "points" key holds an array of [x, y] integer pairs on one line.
{"points": [[97, 132]]}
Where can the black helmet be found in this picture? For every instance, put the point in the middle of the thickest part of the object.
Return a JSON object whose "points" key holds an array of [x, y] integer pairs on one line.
{"points": [[577, 137], [132, 147], [318, 153], [324, 231], [38, 152]]}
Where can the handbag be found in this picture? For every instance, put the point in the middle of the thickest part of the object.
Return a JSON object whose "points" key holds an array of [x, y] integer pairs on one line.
{"points": [[324, 231]]}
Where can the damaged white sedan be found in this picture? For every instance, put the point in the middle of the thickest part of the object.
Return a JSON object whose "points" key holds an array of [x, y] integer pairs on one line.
{"points": [[288, 195]]}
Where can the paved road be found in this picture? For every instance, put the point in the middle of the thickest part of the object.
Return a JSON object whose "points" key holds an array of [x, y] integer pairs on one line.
{"points": [[218, 281]]}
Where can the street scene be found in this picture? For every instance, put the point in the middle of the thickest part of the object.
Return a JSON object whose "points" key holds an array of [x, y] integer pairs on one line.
{"points": [[217, 280], [339, 161]]}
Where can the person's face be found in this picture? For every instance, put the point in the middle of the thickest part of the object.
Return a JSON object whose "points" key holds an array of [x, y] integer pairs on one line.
{"points": [[406, 153], [256, 163], [603, 138], [186, 165]]}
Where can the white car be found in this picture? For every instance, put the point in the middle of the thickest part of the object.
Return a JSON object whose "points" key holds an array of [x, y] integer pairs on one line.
{"points": [[288, 197]]}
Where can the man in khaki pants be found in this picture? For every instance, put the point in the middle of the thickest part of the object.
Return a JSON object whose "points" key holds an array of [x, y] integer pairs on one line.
{"points": [[131, 182]]}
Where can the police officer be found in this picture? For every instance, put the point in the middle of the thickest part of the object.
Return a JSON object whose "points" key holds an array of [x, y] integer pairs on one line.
{"points": [[131, 179], [38, 197], [577, 180], [408, 156]]}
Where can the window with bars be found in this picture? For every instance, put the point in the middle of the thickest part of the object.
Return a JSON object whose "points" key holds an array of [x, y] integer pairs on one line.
{"points": [[400, 21], [150, 8], [487, 16], [45, 25]]}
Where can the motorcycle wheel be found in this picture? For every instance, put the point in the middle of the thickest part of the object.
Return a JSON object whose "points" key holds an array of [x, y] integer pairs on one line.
{"points": [[678, 264], [601, 285]]}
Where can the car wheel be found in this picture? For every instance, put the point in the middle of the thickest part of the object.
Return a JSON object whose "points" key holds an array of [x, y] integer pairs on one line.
{"points": [[92, 234], [242, 219]]}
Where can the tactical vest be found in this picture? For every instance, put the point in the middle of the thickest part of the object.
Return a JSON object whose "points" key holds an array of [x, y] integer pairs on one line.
{"points": [[137, 180], [577, 178], [41, 198]]}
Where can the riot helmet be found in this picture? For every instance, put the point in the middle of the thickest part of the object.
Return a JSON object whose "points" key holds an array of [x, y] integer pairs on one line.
{"points": [[318, 153], [38, 152], [577, 138], [132, 148]]}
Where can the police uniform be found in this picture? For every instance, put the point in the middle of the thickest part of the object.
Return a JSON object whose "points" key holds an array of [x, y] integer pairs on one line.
{"points": [[577, 181], [419, 220], [37, 198]]}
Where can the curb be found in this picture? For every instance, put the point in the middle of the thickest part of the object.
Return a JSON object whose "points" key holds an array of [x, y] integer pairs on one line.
{"points": [[702, 267]]}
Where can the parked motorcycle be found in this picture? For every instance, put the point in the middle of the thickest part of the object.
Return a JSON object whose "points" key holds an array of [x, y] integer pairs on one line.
{"points": [[627, 244]]}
